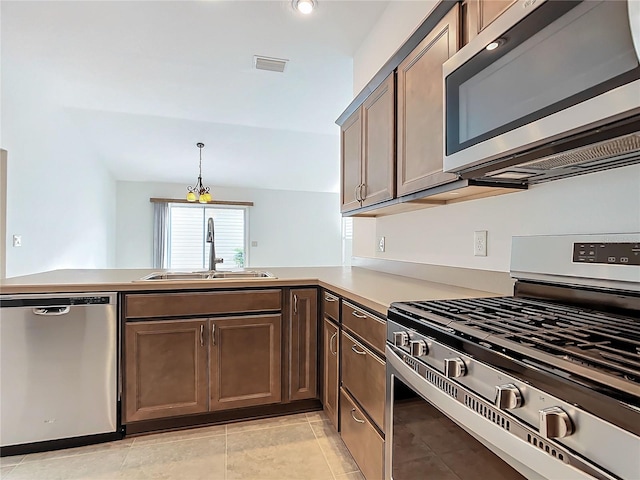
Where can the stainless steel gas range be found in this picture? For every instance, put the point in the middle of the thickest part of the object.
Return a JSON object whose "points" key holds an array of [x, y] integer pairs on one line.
{"points": [[543, 384]]}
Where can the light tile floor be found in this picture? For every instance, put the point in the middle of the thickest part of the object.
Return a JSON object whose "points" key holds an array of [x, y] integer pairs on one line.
{"points": [[295, 447]]}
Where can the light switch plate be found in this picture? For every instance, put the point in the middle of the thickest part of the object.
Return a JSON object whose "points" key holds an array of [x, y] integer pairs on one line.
{"points": [[17, 240], [381, 244]]}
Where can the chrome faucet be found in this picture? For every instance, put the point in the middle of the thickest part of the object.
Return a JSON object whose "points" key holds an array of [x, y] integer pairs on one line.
{"points": [[213, 261]]}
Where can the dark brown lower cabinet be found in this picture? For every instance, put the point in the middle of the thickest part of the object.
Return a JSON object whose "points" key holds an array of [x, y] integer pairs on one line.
{"points": [[330, 370], [303, 343], [361, 438], [165, 369], [364, 377], [245, 361]]}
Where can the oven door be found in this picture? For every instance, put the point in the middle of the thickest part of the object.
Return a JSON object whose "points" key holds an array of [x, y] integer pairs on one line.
{"points": [[430, 435], [559, 68]]}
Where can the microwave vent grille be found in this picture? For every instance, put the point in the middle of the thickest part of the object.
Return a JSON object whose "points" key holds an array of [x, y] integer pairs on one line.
{"points": [[585, 155]]}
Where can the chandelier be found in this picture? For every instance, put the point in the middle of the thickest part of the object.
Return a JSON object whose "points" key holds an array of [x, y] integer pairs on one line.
{"points": [[199, 192]]}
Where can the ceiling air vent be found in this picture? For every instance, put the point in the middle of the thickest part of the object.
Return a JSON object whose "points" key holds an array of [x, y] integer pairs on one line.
{"points": [[270, 64]]}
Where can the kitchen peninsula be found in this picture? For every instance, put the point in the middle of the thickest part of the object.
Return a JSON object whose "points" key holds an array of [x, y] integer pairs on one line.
{"points": [[197, 352]]}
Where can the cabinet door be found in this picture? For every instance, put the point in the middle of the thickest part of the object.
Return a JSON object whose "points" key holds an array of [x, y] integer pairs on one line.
{"points": [[351, 157], [165, 369], [303, 343], [331, 354], [420, 109], [480, 13], [378, 159], [245, 361]]}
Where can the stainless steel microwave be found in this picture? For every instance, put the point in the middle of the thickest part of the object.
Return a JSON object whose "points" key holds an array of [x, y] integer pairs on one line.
{"points": [[550, 88]]}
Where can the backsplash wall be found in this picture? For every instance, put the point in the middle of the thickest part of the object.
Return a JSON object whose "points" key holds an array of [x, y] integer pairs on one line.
{"points": [[604, 202]]}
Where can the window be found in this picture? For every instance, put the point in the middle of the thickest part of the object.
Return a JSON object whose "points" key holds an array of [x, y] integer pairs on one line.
{"points": [[186, 245], [347, 240]]}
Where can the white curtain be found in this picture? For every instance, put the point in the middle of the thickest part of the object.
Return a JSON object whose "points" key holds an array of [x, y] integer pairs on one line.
{"points": [[160, 234]]}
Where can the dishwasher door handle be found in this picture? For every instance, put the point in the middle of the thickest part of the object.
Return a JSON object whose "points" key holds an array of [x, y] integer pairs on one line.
{"points": [[51, 310]]}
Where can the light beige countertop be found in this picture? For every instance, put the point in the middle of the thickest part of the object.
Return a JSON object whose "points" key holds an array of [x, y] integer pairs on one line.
{"points": [[370, 288]]}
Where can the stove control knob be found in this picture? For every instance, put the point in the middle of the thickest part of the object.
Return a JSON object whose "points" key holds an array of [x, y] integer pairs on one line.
{"points": [[508, 397], [454, 367], [418, 348], [555, 423], [400, 339]]}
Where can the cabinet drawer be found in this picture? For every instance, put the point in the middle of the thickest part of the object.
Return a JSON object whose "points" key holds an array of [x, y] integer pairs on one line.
{"points": [[364, 377], [201, 303], [368, 327], [331, 306], [361, 438]]}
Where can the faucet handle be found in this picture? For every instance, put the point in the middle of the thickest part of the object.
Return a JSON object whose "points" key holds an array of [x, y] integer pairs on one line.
{"points": [[218, 260]]}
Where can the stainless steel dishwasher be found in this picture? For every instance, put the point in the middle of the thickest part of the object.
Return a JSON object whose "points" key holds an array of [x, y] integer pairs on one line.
{"points": [[58, 361]]}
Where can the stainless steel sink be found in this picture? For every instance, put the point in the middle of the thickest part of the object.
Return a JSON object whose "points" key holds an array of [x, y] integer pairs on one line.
{"points": [[208, 275]]}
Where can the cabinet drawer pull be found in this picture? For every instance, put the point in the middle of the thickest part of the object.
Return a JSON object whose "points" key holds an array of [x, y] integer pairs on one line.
{"points": [[353, 347], [213, 333], [353, 410], [355, 314], [327, 298], [201, 335], [331, 344]]}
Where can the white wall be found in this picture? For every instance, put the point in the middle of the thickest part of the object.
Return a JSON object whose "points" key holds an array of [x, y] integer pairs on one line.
{"points": [[601, 202], [604, 202], [291, 228], [61, 199], [394, 26]]}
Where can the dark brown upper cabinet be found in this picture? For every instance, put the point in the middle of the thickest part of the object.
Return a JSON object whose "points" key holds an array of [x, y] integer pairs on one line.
{"points": [[368, 150], [420, 109], [479, 14]]}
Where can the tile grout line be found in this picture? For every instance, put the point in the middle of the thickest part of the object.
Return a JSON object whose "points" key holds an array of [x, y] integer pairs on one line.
{"points": [[267, 428], [126, 456], [322, 451], [357, 470]]}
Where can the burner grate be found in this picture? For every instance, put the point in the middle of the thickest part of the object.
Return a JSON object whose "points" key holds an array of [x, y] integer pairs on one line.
{"points": [[607, 342]]}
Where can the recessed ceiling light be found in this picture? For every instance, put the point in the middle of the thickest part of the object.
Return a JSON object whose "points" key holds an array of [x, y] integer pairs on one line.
{"points": [[304, 6], [495, 44]]}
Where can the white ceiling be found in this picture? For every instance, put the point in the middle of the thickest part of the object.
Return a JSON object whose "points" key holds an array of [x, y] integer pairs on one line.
{"points": [[144, 81]]}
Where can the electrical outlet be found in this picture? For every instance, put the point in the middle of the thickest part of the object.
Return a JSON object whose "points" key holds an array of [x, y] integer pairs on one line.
{"points": [[381, 244], [480, 243], [17, 240], [254, 243]]}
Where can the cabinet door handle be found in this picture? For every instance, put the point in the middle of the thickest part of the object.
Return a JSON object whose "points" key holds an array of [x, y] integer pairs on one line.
{"points": [[353, 410], [353, 347], [213, 333], [356, 190], [335, 335], [295, 304], [363, 188], [355, 314], [201, 335], [327, 298]]}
